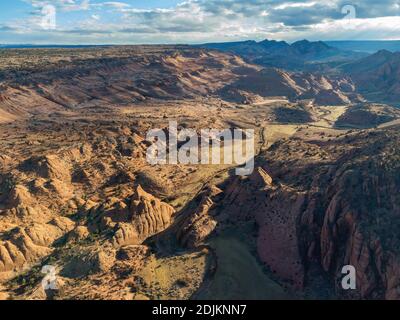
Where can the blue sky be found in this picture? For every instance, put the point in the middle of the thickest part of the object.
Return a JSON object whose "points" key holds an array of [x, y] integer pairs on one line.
{"points": [[195, 21]]}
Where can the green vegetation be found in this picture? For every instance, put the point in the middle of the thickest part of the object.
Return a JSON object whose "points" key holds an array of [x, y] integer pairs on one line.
{"points": [[239, 275]]}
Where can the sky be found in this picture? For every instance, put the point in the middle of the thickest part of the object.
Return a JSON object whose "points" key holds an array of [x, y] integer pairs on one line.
{"points": [[195, 21]]}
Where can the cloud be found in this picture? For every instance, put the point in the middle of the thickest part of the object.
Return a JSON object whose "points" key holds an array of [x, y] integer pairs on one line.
{"points": [[114, 4], [64, 5], [220, 20]]}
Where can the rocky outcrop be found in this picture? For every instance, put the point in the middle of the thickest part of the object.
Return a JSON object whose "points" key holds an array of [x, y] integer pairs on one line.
{"points": [[275, 209], [377, 76], [48, 167], [57, 166], [29, 186], [146, 217], [78, 234], [326, 97], [293, 114], [202, 221], [359, 229], [277, 241], [20, 195], [367, 116], [21, 247], [141, 217], [332, 215]]}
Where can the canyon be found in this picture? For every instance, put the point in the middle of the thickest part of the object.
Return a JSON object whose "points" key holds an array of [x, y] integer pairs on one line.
{"points": [[77, 193]]}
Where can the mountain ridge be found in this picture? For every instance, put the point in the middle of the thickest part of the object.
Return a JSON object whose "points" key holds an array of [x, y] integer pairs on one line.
{"points": [[296, 56], [377, 76]]}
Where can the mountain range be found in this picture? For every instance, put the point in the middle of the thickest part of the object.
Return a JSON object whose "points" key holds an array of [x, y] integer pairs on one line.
{"points": [[370, 46], [299, 55], [365, 46], [375, 76]]}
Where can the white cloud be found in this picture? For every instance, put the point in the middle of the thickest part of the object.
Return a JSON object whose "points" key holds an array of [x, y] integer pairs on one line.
{"points": [[64, 5], [115, 4], [218, 20], [286, 5]]}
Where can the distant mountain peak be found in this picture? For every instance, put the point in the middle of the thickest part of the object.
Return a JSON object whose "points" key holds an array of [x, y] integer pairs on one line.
{"points": [[304, 41], [273, 41], [376, 76], [383, 52], [274, 44], [296, 56]]}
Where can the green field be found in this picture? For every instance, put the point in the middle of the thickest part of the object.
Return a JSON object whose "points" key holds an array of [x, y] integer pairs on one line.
{"points": [[239, 275]]}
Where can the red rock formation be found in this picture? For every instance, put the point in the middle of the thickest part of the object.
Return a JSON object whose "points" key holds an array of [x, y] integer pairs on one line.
{"points": [[200, 222], [22, 247], [144, 217]]}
